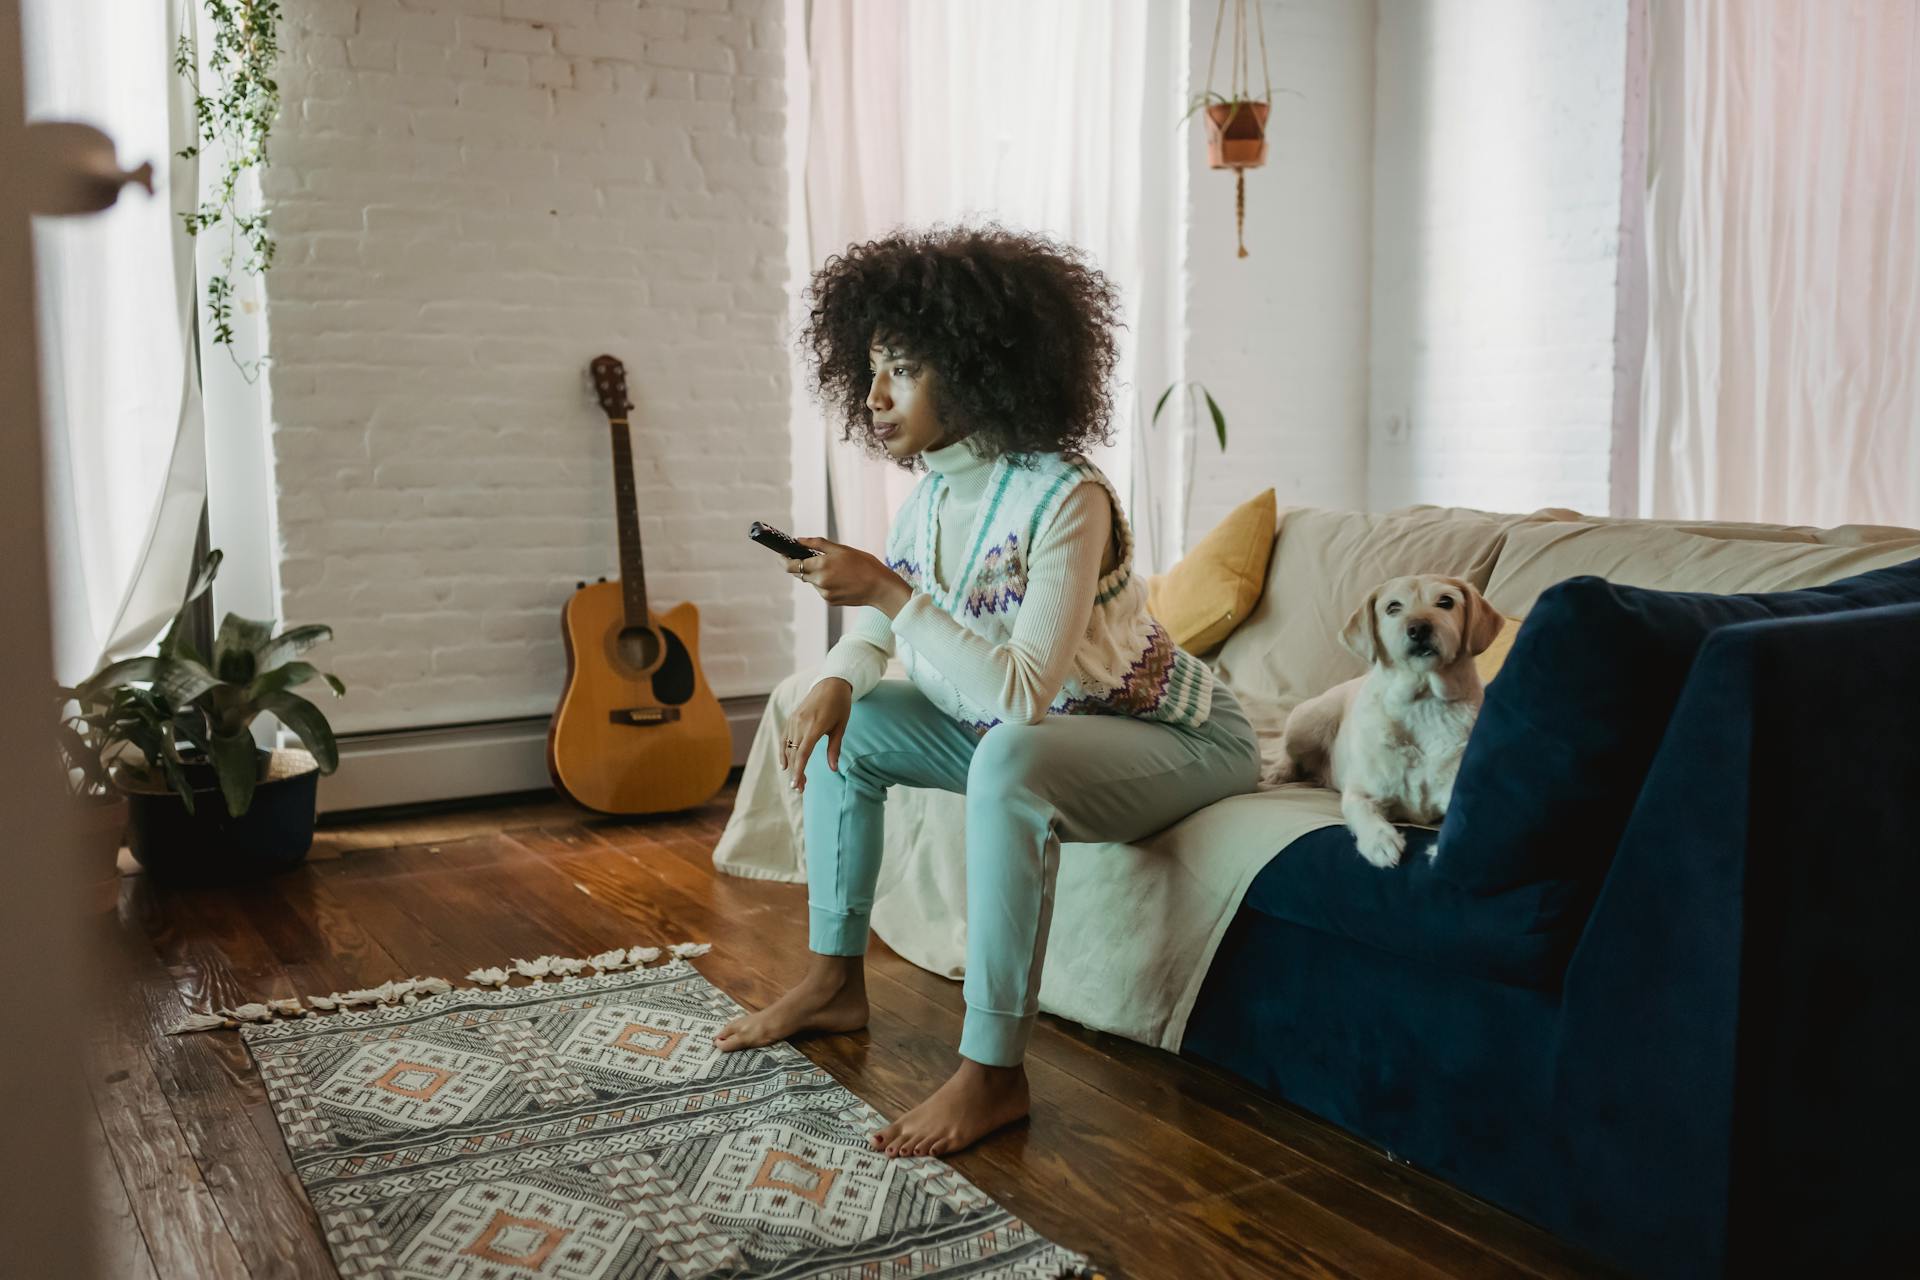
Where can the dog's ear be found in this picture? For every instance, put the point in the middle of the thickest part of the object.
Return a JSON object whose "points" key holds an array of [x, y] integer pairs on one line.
{"points": [[1483, 622], [1360, 634]]}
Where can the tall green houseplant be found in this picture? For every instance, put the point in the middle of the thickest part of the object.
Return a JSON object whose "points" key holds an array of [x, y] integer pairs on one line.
{"points": [[1195, 392]]}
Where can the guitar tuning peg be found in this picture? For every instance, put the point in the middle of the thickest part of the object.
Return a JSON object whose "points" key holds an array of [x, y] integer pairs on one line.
{"points": [[602, 578], [580, 586]]}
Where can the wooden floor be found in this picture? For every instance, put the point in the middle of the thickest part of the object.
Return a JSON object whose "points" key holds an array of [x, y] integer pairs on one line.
{"points": [[1154, 1165]]}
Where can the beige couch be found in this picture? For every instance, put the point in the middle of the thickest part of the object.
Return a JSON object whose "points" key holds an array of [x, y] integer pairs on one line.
{"points": [[1135, 926]]}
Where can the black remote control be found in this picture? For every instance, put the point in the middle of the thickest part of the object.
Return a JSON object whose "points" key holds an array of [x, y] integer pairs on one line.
{"points": [[768, 536]]}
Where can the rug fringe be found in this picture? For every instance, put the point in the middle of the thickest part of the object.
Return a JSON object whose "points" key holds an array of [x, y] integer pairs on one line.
{"points": [[404, 991]]}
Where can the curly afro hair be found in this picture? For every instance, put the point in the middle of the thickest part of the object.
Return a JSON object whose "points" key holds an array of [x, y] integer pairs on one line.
{"points": [[1017, 328]]}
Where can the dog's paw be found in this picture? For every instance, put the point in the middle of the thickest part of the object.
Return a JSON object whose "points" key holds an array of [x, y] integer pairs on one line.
{"points": [[1383, 846]]}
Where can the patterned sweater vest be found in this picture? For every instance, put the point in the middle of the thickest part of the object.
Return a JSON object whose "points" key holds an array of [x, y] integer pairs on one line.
{"points": [[1127, 664]]}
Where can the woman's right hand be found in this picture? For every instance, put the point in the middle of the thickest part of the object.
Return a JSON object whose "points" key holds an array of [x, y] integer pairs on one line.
{"points": [[821, 714]]}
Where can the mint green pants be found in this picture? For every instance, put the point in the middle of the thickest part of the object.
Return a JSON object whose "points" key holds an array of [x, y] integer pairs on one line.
{"points": [[1028, 787]]}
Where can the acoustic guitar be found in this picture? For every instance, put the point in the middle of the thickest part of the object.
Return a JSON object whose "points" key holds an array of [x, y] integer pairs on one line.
{"points": [[637, 730]]}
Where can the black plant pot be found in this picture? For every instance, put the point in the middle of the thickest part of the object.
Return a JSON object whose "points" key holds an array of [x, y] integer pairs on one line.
{"points": [[210, 846]]}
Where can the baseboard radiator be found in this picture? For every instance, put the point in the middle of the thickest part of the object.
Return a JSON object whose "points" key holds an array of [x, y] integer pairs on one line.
{"points": [[391, 767]]}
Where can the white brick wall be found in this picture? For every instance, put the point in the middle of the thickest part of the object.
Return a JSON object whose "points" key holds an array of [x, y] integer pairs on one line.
{"points": [[1496, 216], [1280, 336], [472, 199]]}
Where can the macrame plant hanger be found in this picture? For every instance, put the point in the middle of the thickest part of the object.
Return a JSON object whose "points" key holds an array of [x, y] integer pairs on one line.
{"points": [[1237, 124]]}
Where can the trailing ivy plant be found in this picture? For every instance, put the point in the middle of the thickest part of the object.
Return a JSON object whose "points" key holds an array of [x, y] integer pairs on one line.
{"points": [[237, 109]]}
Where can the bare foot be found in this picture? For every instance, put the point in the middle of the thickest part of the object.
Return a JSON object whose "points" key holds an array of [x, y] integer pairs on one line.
{"points": [[832, 997], [975, 1100]]}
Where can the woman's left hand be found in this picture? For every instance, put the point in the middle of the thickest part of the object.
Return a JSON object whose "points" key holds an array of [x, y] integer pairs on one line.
{"points": [[849, 576]]}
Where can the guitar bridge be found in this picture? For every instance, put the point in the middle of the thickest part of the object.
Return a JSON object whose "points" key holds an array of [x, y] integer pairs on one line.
{"points": [[644, 715]]}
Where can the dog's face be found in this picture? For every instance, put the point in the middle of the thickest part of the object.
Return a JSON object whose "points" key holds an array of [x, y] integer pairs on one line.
{"points": [[1422, 623]]}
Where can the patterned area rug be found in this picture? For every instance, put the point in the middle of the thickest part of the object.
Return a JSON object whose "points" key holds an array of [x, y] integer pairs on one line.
{"points": [[588, 1128]]}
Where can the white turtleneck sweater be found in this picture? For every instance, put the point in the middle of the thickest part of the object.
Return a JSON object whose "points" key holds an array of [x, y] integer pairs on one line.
{"points": [[1018, 679]]}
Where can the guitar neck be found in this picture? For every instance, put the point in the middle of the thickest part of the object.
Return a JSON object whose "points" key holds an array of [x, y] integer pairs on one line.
{"points": [[633, 572]]}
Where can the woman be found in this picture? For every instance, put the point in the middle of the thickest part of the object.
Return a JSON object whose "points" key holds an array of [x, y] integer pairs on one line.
{"points": [[1039, 686]]}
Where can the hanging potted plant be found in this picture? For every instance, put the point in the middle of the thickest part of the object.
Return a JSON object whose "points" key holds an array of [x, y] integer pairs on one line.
{"points": [[1236, 120], [1236, 131], [173, 732]]}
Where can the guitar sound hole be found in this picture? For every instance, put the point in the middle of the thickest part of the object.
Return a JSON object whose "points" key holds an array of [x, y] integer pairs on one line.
{"points": [[673, 682], [639, 646]]}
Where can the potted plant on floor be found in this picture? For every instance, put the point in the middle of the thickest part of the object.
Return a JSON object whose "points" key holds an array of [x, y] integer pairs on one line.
{"points": [[221, 809], [99, 809]]}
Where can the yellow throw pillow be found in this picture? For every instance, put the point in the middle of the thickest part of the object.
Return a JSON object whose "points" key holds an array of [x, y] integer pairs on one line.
{"points": [[1488, 662], [1215, 586]]}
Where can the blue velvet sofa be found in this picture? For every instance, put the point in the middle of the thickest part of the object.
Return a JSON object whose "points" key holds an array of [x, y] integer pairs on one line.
{"points": [[1670, 1015]]}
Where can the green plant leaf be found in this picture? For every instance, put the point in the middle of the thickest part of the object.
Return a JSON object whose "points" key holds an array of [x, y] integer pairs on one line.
{"points": [[73, 747], [181, 680], [236, 649], [281, 677], [1160, 404], [233, 761], [150, 740], [160, 766], [79, 754], [172, 644], [203, 580], [228, 709], [101, 684], [190, 728], [307, 721], [177, 779], [183, 648], [1219, 419], [1200, 100], [1209, 97], [291, 643], [333, 682]]}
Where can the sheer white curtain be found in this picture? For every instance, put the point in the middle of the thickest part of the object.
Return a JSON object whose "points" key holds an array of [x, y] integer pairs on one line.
{"points": [[941, 111], [125, 465], [1782, 376], [856, 191]]}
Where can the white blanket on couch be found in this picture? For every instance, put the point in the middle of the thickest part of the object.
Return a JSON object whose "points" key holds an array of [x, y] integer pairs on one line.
{"points": [[1135, 926]]}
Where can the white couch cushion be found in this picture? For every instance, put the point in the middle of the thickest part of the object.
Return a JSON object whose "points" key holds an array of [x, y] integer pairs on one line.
{"points": [[1324, 563], [1841, 535], [1673, 558]]}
